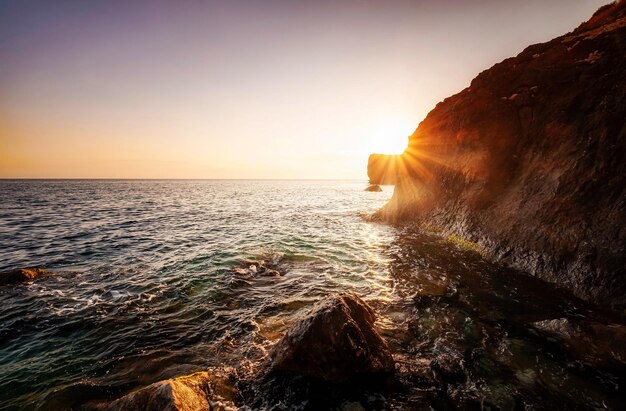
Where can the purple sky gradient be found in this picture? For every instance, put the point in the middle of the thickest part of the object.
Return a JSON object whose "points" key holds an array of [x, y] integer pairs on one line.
{"points": [[241, 89]]}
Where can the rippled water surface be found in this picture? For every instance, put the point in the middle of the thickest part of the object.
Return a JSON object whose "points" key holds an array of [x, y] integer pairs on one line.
{"points": [[161, 278], [145, 280]]}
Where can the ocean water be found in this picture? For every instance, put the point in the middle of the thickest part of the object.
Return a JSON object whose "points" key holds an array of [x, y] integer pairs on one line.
{"points": [[145, 273], [162, 278]]}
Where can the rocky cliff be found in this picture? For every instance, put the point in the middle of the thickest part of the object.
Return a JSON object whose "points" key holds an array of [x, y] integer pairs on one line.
{"points": [[529, 161]]}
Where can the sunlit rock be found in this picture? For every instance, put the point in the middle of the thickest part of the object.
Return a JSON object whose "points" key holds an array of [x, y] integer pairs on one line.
{"points": [[23, 274], [335, 342], [195, 392]]}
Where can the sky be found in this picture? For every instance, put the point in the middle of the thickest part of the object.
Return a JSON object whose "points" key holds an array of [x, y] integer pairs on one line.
{"points": [[241, 89]]}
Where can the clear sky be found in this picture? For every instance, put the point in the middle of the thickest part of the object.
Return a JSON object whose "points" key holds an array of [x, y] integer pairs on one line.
{"points": [[241, 89]]}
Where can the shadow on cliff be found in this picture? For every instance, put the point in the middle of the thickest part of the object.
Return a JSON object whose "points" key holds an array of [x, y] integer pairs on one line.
{"points": [[528, 163]]}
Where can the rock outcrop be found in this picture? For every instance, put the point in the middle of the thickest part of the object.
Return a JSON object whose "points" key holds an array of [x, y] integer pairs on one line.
{"points": [[375, 188], [383, 168], [601, 345], [528, 161], [22, 274], [195, 392], [337, 341]]}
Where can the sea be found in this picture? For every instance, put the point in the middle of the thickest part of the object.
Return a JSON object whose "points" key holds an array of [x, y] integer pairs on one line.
{"points": [[159, 278]]}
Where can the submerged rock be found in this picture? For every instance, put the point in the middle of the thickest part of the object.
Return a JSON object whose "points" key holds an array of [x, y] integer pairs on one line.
{"points": [[253, 268], [22, 274], [335, 342], [374, 188], [195, 392], [593, 342]]}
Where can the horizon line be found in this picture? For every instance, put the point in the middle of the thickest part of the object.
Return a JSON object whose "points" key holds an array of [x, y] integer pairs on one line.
{"points": [[173, 179]]}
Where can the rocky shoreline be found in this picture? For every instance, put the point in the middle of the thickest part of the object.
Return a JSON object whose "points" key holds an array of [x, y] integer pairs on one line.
{"points": [[335, 344], [447, 338], [439, 345]]}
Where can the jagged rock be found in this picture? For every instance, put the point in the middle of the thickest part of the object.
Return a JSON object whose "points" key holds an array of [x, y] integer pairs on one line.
{"points": [[335, 342], [449, 363], [22, 274], [563, 328], [195, 392], [528, 161], [374, 188], [590, 341]]}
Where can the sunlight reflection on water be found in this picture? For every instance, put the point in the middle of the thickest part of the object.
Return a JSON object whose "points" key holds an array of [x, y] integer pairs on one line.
{"points": [[162, 278], [145, 278]]}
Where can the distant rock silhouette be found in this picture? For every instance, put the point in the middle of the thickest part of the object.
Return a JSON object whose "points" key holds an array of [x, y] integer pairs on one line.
{"points": [[528, 161], [374, 188], [382, 168]]}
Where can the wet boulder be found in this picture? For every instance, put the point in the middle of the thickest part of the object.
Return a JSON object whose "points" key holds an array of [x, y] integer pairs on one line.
{"points": [[560, 328], [195, 392], [335, 342], [22, 274], [434, 288]]}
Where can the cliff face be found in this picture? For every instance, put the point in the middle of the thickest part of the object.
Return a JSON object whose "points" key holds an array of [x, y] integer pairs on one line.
{"points": [[529, 161]]}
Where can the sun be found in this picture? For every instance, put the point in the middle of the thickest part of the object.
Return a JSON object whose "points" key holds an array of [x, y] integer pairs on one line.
{"points": [[389, 136]]}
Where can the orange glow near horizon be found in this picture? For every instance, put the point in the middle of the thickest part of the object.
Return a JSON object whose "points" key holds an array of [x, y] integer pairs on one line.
{"points": [[241, 90]]}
